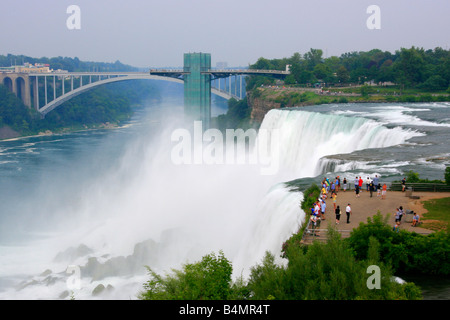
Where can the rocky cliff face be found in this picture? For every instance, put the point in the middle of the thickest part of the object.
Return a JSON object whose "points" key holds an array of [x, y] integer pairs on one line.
{"points": [[260, 107]]}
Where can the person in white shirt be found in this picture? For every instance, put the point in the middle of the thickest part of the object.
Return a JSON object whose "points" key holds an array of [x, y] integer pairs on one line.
{"points": [[348, 211]]}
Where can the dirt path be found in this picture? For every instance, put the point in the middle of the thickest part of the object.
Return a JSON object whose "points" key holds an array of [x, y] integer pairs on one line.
{"points": [[366, 206]]}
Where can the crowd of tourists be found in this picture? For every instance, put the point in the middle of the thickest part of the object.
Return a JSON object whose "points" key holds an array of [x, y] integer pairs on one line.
{"points": [[330, 188]]}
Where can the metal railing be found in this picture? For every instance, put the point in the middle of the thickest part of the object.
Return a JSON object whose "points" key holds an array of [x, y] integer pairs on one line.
{"points": [[311, 230], [425, 187]]}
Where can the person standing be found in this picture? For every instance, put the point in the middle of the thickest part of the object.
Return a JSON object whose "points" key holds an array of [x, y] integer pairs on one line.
{"points": [[403, 184], [333, 197], [371, 188], [400, 214], [323, 207], [360, 183], [333, 187], [316, 208], [383, 191], [348, 211], [338, 214], [397, 216], [375, 182], [357, 191], [324, 193], [345, 184]]}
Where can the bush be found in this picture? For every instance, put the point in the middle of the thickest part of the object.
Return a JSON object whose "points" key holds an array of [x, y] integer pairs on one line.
{"points": [[310, 196], [209, 279], [412, 177], [447, 175], [434, 83], [325, 271], [406, 252]]}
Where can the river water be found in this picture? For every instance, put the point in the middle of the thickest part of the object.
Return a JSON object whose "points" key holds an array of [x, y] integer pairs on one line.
{"points": [[107, 202]]}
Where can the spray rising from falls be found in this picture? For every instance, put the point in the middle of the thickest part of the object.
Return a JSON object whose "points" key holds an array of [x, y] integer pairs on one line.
{"points": [[147, 210]]}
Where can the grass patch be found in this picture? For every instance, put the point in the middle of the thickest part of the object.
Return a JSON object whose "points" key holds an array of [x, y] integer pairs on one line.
{"points": [[438, 215]]}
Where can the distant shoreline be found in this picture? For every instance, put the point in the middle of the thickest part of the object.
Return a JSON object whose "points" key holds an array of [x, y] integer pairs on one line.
{"points": [[63, 131]]}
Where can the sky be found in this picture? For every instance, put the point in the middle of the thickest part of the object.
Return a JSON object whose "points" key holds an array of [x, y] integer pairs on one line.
{"points": [[156, 33]]}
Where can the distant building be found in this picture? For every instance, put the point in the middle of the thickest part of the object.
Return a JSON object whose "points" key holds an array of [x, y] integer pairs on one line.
{"points": [[36, 68]]}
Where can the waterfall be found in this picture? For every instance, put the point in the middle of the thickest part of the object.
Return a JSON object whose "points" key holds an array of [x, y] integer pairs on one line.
{"points": [[306, 137], [179, 213]]}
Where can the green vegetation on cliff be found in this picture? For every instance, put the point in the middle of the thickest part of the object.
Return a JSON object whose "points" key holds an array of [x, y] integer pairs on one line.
{"points": [[408, 75], [237, 116]]}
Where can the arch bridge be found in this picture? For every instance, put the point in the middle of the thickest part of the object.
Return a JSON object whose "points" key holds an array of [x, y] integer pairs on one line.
{"points": [[197, 76]]}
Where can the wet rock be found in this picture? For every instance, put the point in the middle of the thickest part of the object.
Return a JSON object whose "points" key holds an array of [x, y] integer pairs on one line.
{"points": [[46, 273], [64, 294], [71, 254], [49, 280], [98, 290], [24, 284]]}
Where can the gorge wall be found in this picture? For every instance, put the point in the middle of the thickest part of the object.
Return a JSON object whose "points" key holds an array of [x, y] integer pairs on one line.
{"points": [[259, 107]]}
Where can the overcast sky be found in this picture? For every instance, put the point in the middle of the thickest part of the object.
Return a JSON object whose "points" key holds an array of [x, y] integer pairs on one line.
{"points": [[156, 33]]}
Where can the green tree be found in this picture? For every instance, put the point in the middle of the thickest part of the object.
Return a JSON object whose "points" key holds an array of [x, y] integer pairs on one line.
{"points": [[447, 175], [322, 71], [342, 74], [312, 58], [434, 83], [410, 66], [209, 279], [412, 177]]}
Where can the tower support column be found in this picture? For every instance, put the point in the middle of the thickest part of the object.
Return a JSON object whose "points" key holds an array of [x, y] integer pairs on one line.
{"points": [[197, 88]]}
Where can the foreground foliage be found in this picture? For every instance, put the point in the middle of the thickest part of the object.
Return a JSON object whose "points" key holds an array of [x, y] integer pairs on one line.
{"points": [[326, 271], [209, 279], [321, 271], [407, 252]]}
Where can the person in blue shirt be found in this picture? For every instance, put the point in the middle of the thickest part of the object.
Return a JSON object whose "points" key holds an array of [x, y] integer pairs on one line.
{"points": [[323, 207]]}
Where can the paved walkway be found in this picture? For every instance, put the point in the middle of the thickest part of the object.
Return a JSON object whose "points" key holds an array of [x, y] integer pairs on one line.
{"points": [[366, 206]]}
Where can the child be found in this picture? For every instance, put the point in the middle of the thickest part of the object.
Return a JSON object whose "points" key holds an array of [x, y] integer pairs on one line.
{"points": [[415, 219], [396, 226], [338, 214]]}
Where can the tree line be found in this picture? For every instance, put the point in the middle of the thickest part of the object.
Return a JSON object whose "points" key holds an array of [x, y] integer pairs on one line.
{"points": [[66, 63], [409, 68]]}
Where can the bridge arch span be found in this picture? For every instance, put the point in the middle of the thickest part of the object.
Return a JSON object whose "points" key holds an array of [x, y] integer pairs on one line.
{"points": [[67, 96], [21, 88], [8, 83]]}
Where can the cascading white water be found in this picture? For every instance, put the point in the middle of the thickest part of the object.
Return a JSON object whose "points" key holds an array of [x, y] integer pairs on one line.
{"points": [[192, 210], [306, 137]]}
